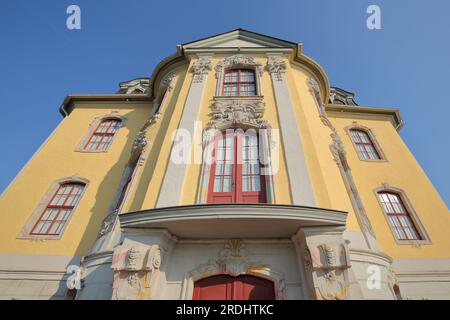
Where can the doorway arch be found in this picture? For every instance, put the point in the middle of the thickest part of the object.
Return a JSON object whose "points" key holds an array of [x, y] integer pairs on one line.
{"points": [[226, 287]]}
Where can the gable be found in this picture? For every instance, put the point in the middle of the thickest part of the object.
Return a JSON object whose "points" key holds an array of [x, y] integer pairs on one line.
{"points": [[239, 39]]}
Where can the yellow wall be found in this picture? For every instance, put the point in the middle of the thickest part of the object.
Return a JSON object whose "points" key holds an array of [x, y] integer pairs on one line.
{"points": [[401, 171], [57, 159], [326, 178]]}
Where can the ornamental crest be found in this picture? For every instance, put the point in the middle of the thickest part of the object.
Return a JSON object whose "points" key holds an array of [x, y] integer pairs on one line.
{"points": [[238, 60], [225, 114]]}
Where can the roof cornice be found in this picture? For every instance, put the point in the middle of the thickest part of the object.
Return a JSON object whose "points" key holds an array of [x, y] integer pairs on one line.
{"points": [[391, 112], [67, 105]]}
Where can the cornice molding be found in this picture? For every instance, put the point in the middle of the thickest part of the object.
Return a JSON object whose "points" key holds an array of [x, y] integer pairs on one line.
{"points": [[391, 112], [67, 105]]}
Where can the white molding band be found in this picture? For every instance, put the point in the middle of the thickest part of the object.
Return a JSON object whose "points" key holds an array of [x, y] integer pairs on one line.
{"points": [[299, 180], [172, 185]]}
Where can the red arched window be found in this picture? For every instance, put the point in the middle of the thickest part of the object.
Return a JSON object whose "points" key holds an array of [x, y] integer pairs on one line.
{"points": [[239, 82], [58, 210], [236, 170], [398, 217], [103, 135], [364, 145]]}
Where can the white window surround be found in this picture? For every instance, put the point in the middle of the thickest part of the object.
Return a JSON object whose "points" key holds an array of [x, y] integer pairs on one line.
{"points": [[238, 61], [93, 126], [208, 145], [372, 138], [42, 205], [426, 240]]}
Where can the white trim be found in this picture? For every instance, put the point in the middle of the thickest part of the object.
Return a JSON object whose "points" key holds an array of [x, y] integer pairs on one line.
{"points": [[172, 185], [302, 192]]}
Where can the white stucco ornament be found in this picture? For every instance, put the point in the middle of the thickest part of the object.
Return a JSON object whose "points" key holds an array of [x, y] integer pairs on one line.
{"points": [[238, 60], [277, 67], [227, 113], [233, 258], [200, 68], [135, 271], [328, 263]]}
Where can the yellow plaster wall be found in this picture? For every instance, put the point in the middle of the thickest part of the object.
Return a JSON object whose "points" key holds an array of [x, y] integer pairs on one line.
{"points": [[282, 192], [401, 171], [57, 159], [328, 185]]}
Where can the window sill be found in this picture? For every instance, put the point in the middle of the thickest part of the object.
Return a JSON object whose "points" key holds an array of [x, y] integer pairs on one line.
{"points": [[414, 242], [38, 237], [91, 151], [374, 160]]}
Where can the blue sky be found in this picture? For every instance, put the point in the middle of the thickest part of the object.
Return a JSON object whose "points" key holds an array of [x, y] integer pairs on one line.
{"points": [[404, 65]]}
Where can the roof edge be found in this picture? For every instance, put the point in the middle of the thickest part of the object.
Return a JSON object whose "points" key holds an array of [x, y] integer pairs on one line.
{"points": [[393, 112]]}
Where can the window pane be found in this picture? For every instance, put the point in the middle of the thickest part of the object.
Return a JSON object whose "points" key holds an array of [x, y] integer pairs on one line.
{"points": [[246, 168], [255, 167], [228, 168], [227, 184], [229, 154], [255, 183], [245, 183], [54, 227], [220, 154], [247, 76], [230, 90], [219, 168], [64, 214], [218, 184], [231, 76]]}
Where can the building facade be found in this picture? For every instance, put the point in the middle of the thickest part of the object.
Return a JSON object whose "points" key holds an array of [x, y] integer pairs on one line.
{"points": [[234, 172]]}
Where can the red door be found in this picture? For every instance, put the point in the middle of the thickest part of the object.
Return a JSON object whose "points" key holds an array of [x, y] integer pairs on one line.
{"points": [[235, 171], [224, 287]]}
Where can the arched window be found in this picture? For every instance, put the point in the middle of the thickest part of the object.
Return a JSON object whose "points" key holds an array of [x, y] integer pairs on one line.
{"points": [[236, 169], [364, 145], [239, 82], [398, 216], [58, 210], [102, 137]]}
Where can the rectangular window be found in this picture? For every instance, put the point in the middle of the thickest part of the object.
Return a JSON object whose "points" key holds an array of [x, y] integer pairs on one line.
{"points": [[58, 210], [103, 135], [235, 172], [398, 217], [239, 82], [364, 145]]}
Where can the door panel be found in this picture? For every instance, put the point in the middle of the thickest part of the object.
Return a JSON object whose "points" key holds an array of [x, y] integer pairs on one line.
{"points": [[224, 287]]}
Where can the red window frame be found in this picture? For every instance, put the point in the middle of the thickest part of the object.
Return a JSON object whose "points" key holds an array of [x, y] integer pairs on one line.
{"points": [[235, 193], [59, 212], [103, 135], [238, 83], [398, 216], [364, 145]]}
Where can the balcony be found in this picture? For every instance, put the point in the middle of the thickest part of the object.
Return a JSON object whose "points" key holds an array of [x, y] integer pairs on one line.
{"points": [[233, 220]]}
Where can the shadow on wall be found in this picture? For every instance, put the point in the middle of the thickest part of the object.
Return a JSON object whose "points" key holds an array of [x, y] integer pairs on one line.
{"points": [[150, 165], [104, 196], [104, 192]]}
